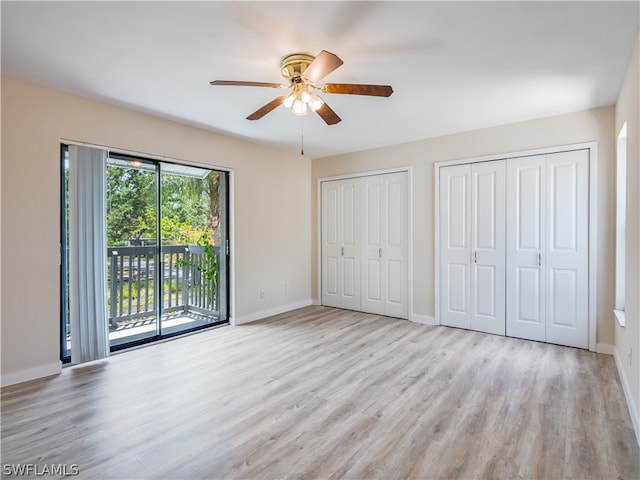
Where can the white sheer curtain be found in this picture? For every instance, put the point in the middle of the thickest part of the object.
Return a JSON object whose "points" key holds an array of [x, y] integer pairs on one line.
{"points": [[87, 254]]}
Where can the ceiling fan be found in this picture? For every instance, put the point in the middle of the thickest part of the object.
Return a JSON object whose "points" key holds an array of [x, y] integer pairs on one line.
{"points": [[303, 71]]}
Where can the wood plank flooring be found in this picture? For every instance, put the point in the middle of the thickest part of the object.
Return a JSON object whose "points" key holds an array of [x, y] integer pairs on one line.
{"points": [[322, 393]]}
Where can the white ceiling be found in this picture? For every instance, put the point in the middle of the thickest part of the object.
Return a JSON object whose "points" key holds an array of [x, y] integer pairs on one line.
{"points": [[454, 66]]}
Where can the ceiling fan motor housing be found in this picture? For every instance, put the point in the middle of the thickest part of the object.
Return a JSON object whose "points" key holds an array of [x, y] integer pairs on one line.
{"points": [[292, 66]]}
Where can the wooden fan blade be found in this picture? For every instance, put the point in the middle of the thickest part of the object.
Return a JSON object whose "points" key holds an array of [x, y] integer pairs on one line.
{"points": [[261, 112], [358, 89], [328, 115], [324, 63], [246, 84]]}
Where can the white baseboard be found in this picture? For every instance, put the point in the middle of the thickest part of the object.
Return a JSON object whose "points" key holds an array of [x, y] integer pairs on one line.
{"points": [[31, 374], [422, 319], [604, 348], [633, 409], [252, 317]]}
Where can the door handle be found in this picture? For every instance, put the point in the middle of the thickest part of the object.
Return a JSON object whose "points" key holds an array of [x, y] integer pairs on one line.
{"points": [[342, 251], [475, 257], [539, 259], [380, 253]]}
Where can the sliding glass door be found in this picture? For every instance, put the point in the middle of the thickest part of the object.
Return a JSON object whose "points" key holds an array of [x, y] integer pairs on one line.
{"points": [[166, 250], [193, 247], [133, 282]]}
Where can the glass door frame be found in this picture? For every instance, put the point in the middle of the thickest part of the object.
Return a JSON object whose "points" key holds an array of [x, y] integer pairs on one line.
{"points": [[139, 163], [224, 251]]}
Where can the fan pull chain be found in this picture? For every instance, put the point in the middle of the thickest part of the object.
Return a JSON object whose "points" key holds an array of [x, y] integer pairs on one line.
{"points": [[302, 136]]}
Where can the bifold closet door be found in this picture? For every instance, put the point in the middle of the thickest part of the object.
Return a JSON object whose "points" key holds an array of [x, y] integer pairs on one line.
{"points": [[488, 247], [547, 248], [455, 246], [472, 246], [340, 256], [567, 242], [385, 244], [525, 246]]}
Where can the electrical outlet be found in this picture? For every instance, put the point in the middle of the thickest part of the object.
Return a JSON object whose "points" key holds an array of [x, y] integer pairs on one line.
{"points": [[261, 293], [629, 354]]}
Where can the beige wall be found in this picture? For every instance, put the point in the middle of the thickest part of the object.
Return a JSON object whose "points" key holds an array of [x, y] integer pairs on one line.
{"points": [[272, 218], [586, 126], [628, 110], [276, 228]]}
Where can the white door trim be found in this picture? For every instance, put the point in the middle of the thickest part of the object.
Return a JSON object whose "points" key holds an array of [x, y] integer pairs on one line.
{"points": [[593, 220], [319, 180]]}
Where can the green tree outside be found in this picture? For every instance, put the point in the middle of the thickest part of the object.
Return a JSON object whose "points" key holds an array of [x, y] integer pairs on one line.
{"points": [[190, 207]]}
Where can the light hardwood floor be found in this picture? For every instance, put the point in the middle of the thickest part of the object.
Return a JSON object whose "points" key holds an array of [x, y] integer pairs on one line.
{"points": [[327, 393]]}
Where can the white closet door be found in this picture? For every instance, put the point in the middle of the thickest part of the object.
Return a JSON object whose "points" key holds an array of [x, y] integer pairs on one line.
{"points": [[547, 248], [395, 252], [566, 261], [525, 246], [351, 244], [385, 244], [455, 249], [341, 244], [488, 246], [331, 243], [372, 243]]}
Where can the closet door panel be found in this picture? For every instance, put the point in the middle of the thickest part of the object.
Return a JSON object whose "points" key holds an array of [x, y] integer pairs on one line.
{"points": [[330, 279], [350, 253], [457, 296], [395, 245], [331, 243], [396, 210], [350, 281], [525, 244], [395, 282], [340, 244], [372, 271], [374, 279], [567, 249], [527, 291], [350, 220], [373, 188], [488, 245], [455, 280]]}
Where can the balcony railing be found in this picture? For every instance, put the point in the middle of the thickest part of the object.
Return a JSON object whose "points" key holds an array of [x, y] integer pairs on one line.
{"points": [[132, 282]]}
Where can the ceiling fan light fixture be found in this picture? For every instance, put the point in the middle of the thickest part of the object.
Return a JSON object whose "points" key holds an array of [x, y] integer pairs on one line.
{"points": [[305, 96], [299, 107], [288, 102], [315, 102]]}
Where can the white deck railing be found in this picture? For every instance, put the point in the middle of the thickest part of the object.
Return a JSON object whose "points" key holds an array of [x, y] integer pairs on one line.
{"points": [[133, 280]]}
